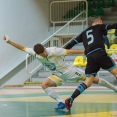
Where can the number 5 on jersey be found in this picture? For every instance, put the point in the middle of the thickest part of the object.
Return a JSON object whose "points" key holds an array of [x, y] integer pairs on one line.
{"points": [[89, 35]]}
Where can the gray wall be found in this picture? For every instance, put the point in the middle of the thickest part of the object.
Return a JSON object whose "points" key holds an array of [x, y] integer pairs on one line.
{"points": [[25, 22]]}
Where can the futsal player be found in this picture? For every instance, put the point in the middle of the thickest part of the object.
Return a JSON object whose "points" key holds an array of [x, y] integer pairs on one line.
{"points": [[97, 57]]}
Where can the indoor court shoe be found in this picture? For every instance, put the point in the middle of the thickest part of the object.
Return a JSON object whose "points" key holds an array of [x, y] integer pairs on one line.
{"points": [[68, 103], [61, 105]]}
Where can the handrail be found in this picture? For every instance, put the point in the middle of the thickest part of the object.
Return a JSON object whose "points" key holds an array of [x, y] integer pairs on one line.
{"points": [[27, 55], [45, 41]]}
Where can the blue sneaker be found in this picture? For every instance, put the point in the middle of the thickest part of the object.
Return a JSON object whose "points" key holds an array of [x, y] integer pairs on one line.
{"points": [[61, 105]]}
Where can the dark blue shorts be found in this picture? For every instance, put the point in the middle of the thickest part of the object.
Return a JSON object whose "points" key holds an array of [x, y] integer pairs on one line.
{"points": [[98, 59]]}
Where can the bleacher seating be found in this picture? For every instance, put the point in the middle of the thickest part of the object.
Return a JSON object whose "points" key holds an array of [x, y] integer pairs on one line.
{"points": [[90, 12], [99, 12], [95, 8], [100, 4], [91, 4], [111, 2], [70, 14], [112, 31], [113, 46], [80, 61]]}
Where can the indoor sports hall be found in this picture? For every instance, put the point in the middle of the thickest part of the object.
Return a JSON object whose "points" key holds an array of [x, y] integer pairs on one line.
{"points": [[53, 23]]}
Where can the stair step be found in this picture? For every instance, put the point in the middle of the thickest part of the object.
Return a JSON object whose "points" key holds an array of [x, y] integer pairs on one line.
{"points": [[38, 79], [42, 73], [112, 18], [109, 22]]}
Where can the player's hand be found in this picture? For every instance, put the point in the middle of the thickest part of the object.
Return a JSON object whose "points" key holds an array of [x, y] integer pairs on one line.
{"points": [[6, 38]]}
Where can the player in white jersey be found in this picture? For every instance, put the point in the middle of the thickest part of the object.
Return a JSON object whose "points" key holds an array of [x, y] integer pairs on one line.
{"points": [[61, 69], [54, 59]]}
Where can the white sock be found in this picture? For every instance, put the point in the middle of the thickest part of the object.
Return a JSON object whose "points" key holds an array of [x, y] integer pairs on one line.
{"points": [[105, 83], [51, 92]]}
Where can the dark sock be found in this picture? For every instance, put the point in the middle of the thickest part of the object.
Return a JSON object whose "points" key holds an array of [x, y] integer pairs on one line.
{"points": [[78, 91]]}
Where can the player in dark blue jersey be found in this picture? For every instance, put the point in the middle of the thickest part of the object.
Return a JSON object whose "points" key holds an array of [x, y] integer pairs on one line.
{"points": [[97, 57]]}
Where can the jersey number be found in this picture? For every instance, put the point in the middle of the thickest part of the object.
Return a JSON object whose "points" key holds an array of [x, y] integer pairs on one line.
{"points": [[90, 36]]}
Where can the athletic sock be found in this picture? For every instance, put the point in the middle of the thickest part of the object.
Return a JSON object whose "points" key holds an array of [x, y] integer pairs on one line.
{"points": [[51, 92], [105, 83], [78, 91]]}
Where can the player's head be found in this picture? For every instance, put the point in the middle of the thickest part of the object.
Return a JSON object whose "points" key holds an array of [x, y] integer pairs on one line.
{"points": [[40, 50], [97, 20]]}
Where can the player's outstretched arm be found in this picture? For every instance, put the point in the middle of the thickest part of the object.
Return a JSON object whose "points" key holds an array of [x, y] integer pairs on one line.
{"points": [[75, 51], [16, 45]]}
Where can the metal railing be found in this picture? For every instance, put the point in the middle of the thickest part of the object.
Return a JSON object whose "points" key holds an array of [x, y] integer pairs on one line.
{"points": [[62, 12]]}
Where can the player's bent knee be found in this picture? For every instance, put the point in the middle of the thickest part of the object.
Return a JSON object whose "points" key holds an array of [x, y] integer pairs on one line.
{"points": [[44, 85]]}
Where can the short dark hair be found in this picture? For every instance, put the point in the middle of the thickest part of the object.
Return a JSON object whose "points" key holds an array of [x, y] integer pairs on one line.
{"points": [[38, 48]]}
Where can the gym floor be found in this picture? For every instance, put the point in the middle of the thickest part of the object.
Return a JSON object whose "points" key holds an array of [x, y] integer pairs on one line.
{"points": [[33, 102]]}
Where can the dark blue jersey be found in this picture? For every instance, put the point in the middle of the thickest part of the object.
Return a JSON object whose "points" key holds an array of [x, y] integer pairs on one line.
{"points": [[92, 37]]}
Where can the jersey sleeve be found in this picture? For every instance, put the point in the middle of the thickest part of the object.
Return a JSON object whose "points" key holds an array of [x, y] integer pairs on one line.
{"points": [[78, 39], [75, 41], [106, 27], [60, 51], [30, 51]]}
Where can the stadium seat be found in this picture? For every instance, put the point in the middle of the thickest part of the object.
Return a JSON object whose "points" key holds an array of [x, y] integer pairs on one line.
{"points": [[70, 14], [113, 46], [91, 4], [100, 4], [90, 12], [107, 4], [111, 2], [78, 61], [99, 12], [112, 31]]}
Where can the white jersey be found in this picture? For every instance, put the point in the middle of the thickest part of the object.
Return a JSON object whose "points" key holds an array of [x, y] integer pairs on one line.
{"points": [[56, 63]]}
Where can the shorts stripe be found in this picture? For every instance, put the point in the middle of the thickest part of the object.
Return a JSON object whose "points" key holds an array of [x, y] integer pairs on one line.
{"points": [[55, 78]]}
